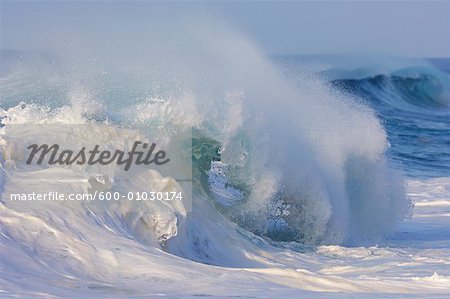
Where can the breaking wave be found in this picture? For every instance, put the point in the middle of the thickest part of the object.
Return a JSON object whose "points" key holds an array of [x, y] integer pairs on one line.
{"points": [[284, 162], [414, 104]]}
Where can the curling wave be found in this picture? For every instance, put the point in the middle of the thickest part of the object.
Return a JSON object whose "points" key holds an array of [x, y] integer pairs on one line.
{"points": [[284, 162], [414, 104]]}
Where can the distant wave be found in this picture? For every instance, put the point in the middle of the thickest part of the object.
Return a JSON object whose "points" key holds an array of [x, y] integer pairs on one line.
{"points": [[414, 104], [405, 88]]}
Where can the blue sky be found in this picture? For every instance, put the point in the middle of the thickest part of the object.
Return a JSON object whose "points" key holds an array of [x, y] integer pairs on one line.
{"points": [[411, 28], [401, 28]]}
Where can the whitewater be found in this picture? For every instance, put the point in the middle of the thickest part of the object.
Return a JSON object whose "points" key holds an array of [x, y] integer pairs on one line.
{"points": [[298, 184]]}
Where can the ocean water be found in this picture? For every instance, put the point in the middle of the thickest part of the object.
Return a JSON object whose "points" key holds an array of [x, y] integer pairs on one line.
{"points": [[411, 98], [299, 169], [414, 106]]}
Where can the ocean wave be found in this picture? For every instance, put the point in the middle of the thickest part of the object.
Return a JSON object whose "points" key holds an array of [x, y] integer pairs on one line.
{"points": [[410, 88], [296, 163], [289, 181], [414, 105]]}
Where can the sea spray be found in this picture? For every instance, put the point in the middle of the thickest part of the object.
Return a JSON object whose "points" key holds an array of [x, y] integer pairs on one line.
{"points": [[289, 148]]}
